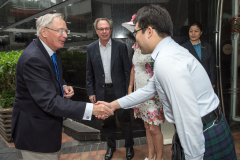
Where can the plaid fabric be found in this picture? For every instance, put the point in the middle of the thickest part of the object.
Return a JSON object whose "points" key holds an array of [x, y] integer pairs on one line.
{"points": [[219, 144]]}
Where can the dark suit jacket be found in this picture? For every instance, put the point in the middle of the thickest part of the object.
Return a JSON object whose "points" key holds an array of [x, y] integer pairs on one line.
{"points": [[207, 58], [120, 70], [38, 107]]}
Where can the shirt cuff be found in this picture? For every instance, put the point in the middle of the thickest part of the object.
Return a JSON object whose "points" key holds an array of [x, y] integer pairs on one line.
{"points": [[88, 112], [64, 85]]}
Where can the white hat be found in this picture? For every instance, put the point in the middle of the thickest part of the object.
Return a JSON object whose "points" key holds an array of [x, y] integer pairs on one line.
{"points": [[129, 25]]}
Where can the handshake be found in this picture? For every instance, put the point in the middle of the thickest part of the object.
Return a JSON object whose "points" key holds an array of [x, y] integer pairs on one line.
{"points": [[103, 110]]}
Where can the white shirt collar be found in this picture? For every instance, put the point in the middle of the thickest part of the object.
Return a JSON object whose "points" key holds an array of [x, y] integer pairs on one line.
{"points": [[195, 44], [159, 46], [50, 52], [109, 42]]}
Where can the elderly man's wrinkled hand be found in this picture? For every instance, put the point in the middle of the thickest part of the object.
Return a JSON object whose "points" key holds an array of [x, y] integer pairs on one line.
{"points": [[106, 104], [101, 111], [68, 91], [101, 117]]}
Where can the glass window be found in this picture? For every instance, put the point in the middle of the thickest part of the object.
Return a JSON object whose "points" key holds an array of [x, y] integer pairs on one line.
{"points": [[17, 10], [79, 17], [2, 1]]}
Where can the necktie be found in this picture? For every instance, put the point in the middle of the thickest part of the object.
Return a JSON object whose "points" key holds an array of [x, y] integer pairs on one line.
{"points": [[53, 57]]}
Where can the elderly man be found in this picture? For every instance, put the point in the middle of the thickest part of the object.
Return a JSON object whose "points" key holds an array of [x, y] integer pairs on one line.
{"points": [[108, 71], [184, 88], [42, 96]]}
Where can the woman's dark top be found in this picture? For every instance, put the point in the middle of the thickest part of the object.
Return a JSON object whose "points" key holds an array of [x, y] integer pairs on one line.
{"points": [[207, 58]]}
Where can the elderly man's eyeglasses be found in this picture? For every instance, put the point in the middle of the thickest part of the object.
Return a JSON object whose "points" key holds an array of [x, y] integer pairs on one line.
{"points": [[60, 31], [102, 29], [135, 32]]}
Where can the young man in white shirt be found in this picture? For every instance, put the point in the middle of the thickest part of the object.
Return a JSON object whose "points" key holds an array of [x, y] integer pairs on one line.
{"points": [[184, 88]]}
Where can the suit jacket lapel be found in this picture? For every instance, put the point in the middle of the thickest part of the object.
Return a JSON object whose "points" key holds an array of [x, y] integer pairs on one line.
{"points": [[113, 52], [98, 55], [58, 55], [192, 50], [46, 55], [203, 51]]}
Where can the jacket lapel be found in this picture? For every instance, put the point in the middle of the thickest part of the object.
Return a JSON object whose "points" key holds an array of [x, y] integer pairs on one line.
{"points": [[203, 51], [114, 52], [98, 55], [46, 55], [192, 50]]}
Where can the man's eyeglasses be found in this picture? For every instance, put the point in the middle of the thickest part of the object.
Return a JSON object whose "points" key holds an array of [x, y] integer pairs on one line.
{"points": [[102, 29], [60, 31], [135, 32]]}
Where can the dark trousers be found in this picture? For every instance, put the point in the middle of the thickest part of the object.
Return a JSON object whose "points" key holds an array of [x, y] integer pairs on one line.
{"points": [[123, 116]]}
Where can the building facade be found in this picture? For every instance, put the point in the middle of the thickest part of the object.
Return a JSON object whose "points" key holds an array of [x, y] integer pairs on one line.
{"points": [[221, 27]]}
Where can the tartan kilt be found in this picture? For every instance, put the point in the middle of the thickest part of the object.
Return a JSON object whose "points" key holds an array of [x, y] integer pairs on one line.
{"points": [[219, 143]]}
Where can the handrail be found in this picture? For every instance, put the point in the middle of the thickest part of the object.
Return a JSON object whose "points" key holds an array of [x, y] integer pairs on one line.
{"points": [[4, 3], [219, 51]]}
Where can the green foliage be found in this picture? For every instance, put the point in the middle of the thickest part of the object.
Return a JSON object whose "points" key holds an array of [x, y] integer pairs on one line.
{"points": [[8, 61]]}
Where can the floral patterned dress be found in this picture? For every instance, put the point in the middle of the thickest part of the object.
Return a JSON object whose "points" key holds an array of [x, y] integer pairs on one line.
{"points": [[151, 111]]}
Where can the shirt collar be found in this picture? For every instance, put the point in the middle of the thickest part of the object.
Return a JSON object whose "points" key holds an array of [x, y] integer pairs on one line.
{"points": [[159, 46], [109, 42], [50, 52], [195, 44]]}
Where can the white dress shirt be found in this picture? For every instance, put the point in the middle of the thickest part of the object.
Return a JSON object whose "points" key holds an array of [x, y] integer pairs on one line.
{"points": [[89, 106], [106, 59], [185, 90]]}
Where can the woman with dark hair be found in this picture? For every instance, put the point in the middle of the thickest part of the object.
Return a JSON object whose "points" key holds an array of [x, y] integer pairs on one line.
{"points": [[201, 50]]}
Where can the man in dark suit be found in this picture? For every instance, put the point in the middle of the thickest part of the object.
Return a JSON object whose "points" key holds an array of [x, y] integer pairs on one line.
{"points": [[39, 104], [108, 72]]}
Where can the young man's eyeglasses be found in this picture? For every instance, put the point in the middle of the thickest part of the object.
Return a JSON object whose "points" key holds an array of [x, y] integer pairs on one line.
{"points": [[102, 29], [60, 31], [135, 32]]}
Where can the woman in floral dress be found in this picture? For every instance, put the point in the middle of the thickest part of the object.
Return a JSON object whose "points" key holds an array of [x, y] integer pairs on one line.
{"points": [[151, 111]]}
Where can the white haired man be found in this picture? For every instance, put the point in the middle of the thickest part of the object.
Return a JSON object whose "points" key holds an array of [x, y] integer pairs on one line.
{"points": [[42, 96]]}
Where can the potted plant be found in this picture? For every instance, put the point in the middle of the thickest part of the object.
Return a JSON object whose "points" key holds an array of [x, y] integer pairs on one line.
{"points": [[8, 63]]}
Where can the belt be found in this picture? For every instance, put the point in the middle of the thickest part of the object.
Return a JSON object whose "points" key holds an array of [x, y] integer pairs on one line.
{"points": [[108, 84], [215, 114]]}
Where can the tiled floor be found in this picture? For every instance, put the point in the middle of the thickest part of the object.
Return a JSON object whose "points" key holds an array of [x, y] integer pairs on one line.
{"points": [[140, 152], [74, 150]]}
